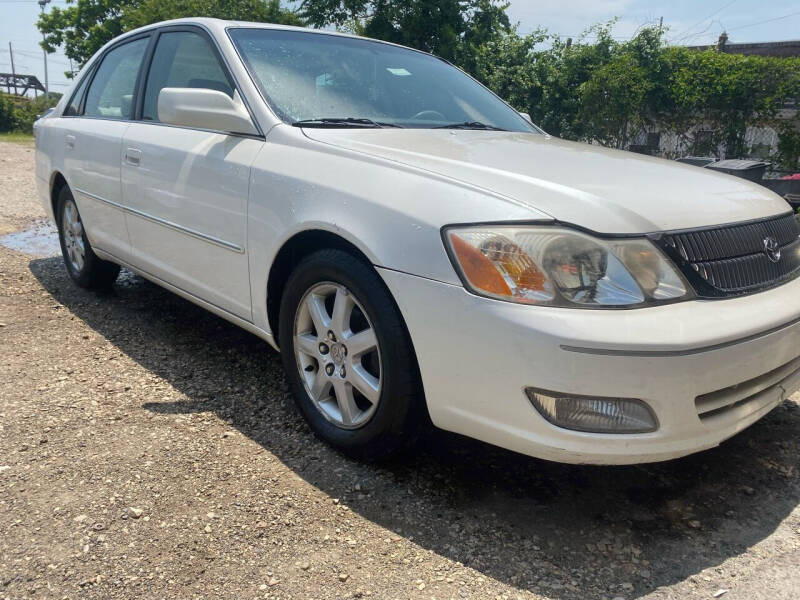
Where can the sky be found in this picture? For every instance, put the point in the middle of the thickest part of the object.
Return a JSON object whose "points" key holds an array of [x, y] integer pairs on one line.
{"points": [[18, 26], [690, 22]]}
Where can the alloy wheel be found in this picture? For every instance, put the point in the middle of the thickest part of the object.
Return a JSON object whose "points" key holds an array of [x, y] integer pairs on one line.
{"points": [[337, 355], [73, 236]]}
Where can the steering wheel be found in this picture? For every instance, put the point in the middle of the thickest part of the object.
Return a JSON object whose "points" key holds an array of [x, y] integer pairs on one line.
{"points": [[433, 115]]}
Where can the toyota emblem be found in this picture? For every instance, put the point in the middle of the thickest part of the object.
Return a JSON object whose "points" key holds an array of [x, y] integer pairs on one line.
{"points": [[771, 249]]}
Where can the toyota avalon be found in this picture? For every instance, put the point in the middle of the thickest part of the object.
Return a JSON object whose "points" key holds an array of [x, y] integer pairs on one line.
{"points": [[419, 251]]}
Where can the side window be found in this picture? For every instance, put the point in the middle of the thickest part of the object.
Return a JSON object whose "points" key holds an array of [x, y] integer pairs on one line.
{"points": [[74, 107], [110, 94], [185, 60]]}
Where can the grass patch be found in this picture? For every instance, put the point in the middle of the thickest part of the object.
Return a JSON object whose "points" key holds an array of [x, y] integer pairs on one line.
{"points": [[16, 137]]}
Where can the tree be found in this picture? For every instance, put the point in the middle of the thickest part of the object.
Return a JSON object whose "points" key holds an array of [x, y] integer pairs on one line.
{"points": [[17, 113], [452, 29], [724, 93], [788, 154], [562, 70], [8, 120], [153, 11], [485, 22], [508, 66], [613, 101], [84, 26]]}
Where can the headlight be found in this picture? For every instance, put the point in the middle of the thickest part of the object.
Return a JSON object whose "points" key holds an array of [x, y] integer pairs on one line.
{"points": [[562, 267]]}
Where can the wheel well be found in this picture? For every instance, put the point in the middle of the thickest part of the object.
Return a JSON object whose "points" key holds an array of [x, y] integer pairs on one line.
{"points": [[55, 189], [293, 251], [296, 249]]}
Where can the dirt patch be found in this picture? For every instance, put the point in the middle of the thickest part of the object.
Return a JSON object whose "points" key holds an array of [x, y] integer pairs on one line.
{"points": [[147, 450]]}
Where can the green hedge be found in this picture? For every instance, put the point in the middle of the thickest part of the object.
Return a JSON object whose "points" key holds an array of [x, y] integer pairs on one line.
{"points": [[17, 114], [607, 91]]}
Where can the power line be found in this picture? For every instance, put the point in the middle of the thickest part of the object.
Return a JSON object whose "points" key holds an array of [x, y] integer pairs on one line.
{"points": [[677, 37], [650, 23], [687, 39], [766, 21], [17, 66], [36, 55]]}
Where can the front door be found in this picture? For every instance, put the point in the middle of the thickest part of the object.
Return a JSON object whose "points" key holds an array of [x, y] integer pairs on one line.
{"points": [[185, 190]]}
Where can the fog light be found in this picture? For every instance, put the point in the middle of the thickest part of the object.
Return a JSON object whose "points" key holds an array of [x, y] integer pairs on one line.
{"points": [[592, 414]]}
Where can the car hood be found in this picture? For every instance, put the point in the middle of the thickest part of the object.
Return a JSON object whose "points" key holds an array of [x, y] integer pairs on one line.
{"points": [[608, 191]]}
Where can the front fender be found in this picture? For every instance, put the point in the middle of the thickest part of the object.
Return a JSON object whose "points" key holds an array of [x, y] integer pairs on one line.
{"points": [[391, 212]]}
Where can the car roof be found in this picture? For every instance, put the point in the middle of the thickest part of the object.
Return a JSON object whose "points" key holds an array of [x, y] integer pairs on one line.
{"points": [[212, 24], [219, 26]]}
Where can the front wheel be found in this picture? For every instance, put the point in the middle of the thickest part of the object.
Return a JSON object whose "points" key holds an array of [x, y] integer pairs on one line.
{"points": [[83, 265], [348, 357]]}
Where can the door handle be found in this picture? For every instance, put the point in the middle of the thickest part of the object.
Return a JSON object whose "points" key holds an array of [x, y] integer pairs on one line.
{"points": [[133, 156], [69, 141]]}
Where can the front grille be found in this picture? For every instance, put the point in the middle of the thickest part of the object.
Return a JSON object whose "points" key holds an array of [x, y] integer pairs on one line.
{"points": [[732, 260]]}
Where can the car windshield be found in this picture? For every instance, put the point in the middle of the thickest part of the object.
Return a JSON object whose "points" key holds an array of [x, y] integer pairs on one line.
{"points": [[321, 80]]}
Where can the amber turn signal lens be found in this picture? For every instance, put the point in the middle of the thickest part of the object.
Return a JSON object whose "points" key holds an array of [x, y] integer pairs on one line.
{"points": [[493, 264], [478, 269]]}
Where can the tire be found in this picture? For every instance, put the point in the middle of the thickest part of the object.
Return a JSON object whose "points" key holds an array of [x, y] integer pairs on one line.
{"points": [[386, 419], [83, 265]]}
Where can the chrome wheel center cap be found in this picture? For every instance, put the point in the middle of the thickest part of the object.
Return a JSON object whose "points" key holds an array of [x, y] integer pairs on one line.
{"points": [[338, 352]]}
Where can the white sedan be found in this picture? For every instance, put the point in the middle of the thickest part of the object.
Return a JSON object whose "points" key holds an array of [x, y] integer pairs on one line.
{"points": [[418, 250]]}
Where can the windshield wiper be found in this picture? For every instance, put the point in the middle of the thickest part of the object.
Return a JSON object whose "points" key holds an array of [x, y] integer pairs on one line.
{"points": [[342, 122], [470, 125]]}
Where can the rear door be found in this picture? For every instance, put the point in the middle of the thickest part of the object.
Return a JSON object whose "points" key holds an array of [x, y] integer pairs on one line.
{"points": [[94, 124], [185, 190]]}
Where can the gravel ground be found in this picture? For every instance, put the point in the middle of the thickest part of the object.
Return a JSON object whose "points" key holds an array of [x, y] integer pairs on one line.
{"points": [[147, 450], [18, 203]]}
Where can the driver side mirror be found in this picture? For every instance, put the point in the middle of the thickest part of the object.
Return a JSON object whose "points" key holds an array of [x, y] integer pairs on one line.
{"points": [[203, 108], [526, 116]]}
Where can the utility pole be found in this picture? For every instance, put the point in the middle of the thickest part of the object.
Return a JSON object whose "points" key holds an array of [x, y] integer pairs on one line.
{"points": [[42, 4], [13, 71], [660, 24]]}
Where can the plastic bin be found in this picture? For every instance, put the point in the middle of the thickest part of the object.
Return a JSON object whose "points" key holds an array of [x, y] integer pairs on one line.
{"points": [[752, 170]]}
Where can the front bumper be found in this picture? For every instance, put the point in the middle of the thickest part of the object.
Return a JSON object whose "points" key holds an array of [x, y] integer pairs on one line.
{"points": [[477, 355]]}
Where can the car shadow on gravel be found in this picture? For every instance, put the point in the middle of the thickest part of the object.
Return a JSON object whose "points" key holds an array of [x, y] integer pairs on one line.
{"points": [[561, 531]]}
